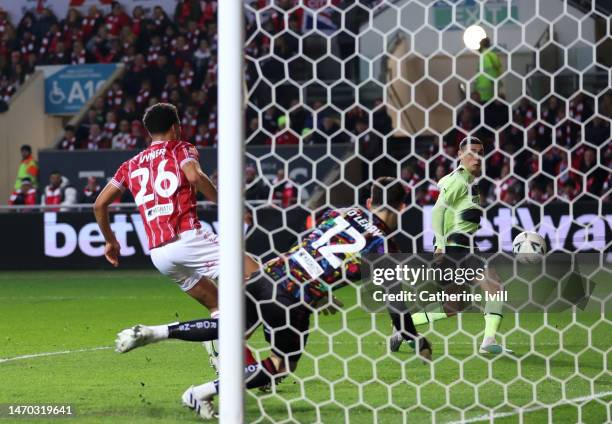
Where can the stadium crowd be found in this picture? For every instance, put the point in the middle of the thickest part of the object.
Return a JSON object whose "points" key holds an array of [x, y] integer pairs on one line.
{"points": [[173, 58]]}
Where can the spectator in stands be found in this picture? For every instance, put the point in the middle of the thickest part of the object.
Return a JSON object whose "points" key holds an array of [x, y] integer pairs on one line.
{"points": [[202, 138], [25, 194], [69, 141], [139, 20], [137, 137], [111, 126], [433, 191], [255, 134], [121, 140], [284, 134], [409, 176], [117, 19], [255, 188], [78, 56], [329, 131], [187, 11], [59, 55], [28, 168], [114, 96], [7, 90], [128, 111], [283, 189], [93, 117], [91, 190], [605, 107], [54, 191], [91, 22], [96, 139]]}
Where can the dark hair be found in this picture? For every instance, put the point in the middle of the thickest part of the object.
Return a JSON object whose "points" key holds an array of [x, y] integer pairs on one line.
{"points": [[159, 118], [55, 172], [485, 43], [388, 191], [26, 180], [26, 147], [470, 140]]}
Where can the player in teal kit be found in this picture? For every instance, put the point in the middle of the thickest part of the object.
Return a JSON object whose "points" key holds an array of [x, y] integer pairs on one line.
{"points": [[292, 286]]}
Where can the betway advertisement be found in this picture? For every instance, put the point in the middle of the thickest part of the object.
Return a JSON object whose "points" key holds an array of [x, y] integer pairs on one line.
{"points": [[55, 240]]}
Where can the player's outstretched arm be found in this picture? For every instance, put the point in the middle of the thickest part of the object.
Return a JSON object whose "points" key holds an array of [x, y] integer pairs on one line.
{"points": [[104, 200], [200, 180]]}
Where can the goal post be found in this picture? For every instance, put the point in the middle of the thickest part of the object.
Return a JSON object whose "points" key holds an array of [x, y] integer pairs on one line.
{"points": [[231, 216]]}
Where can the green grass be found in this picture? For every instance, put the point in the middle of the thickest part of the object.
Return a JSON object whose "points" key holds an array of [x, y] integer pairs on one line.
{"points": [[345, 374]]}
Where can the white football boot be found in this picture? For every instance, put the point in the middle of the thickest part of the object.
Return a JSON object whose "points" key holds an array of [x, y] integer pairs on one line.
{"points": [[490, 346], [203, 407], [131, 338]]}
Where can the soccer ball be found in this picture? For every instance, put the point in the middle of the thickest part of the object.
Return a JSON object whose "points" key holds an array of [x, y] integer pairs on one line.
{"points": [[529, 247]]}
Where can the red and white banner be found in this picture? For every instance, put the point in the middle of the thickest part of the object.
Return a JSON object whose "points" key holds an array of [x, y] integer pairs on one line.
{"points": [[16, 8]]}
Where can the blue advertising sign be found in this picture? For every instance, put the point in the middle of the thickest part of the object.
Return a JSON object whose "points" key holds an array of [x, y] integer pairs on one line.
{"points": [[69, 87]]}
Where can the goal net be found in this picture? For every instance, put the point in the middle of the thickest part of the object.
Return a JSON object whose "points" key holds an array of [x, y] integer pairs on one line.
{"points": [[339, 93]]}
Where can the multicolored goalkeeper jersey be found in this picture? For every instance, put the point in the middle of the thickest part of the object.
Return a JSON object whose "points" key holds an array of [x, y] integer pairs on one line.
{"points": [[329, 257]]}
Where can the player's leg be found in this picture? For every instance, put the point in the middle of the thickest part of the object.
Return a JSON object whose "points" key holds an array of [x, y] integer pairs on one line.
{"points": [[192, 262], [287, 346], [434, 311], [405, 332], [205, 292], [493, 313], [437, 310], [200, 330], [490, 284], [200, 398], [286, 326], [404, 325], [257, 375]]}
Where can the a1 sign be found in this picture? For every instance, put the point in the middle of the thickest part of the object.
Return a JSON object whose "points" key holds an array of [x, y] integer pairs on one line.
{"points": [[69, 87]]}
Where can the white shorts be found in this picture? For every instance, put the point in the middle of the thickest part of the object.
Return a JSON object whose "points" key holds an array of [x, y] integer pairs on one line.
{"points": [[193, 255]]}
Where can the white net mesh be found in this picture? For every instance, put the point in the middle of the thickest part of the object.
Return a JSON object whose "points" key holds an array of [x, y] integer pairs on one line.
{"points": [[342, 92]]}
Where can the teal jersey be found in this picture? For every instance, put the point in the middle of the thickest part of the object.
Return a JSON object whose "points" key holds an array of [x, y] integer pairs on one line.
{"points": [[456, 214]]}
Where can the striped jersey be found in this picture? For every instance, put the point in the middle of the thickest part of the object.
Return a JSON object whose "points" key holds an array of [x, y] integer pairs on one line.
{"points": [[165, 198]]}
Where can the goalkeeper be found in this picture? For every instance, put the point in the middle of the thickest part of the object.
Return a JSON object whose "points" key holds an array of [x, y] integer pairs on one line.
{"points": [[292, 286], [455, 219]]}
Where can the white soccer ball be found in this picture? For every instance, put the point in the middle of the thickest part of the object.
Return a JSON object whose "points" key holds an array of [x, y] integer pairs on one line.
{"points": [[529, 247]]}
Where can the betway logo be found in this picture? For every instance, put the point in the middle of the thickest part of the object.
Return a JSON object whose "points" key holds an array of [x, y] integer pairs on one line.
{"points": [[62, 239], [576, 233]]}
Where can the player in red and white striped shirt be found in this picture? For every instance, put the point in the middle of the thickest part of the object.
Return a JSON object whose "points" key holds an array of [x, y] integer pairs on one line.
{"points": [[163, 179]]}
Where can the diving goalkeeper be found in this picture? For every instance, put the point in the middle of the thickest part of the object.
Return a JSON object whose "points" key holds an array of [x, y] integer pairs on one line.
{"points": [[294, 285]]}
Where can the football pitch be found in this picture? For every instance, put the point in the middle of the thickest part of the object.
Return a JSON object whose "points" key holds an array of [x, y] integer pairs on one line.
{"points": [[57, 331]]}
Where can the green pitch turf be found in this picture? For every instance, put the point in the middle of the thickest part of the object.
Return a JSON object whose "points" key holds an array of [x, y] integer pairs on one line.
{"points": [[346, 374]]}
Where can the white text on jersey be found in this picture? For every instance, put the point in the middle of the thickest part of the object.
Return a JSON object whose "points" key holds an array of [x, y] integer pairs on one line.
{"points": [[151, 155]]}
